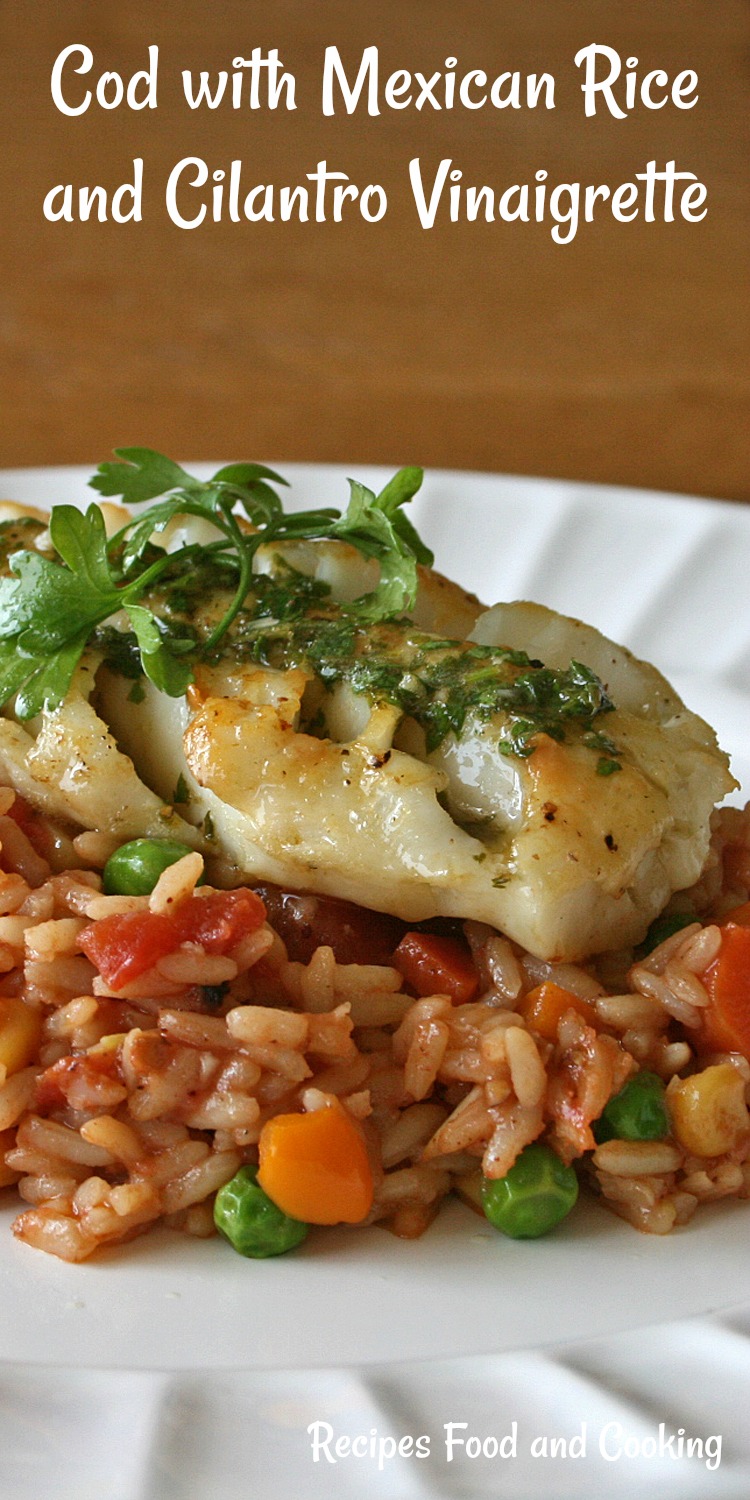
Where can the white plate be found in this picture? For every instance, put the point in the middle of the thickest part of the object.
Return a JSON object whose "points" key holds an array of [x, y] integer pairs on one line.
{"points": [[668, 577]]}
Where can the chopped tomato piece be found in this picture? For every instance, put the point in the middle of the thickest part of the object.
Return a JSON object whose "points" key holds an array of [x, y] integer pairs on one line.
{"points": [[544, 1007], [218, 920], [124, 947], [31, 825], [53, 1086], [436, 965], [736, 864], [725, 1022]]}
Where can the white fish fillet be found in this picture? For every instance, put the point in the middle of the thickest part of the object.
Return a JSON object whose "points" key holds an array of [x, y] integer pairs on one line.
{"points": [[565, 861], [67, 764]]}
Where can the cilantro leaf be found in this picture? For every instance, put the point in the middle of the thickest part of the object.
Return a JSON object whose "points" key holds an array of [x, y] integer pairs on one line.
{"points": [[15, 670], [408, 534], [48, 610], [52, 598], [48, 602], [49, 679], [17, 608], [51, 609], [141, 474], [81, 541], [245, 483], [161, 666], [371, 530], [156, 520], [395, 494]]}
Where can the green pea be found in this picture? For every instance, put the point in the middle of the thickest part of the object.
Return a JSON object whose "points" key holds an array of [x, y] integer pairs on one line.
{"points": [[535, 1195], [250, 1220], [637, 1113], [134, 868]]}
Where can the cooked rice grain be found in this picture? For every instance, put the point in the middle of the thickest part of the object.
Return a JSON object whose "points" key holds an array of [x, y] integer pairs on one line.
{"points": [[142, 1102]]}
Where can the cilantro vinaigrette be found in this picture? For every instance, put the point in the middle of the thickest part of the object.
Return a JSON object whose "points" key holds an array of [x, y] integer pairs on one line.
{"points": [[63, 587]]}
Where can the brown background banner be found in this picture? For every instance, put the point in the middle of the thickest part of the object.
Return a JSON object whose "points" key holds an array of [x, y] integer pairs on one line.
{"points": [[621, 356]]}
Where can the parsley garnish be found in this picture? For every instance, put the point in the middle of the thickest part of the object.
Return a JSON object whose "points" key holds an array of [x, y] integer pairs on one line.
{"points": [[52, 608], [609, 761], [48, 610], [607, 767], [143, 608]]}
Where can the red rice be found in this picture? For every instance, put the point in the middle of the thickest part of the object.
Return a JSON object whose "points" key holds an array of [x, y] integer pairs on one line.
{"points": [[137, 1105]]}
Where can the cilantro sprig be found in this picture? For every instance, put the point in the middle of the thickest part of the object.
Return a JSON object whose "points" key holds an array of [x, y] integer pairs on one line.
{"points": [[51, 605], [48, 610]]}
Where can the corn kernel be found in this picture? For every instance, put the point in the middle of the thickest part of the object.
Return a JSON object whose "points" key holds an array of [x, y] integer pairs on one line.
{"points": [[20, 1034], [708, 1111], [108, 1043]]}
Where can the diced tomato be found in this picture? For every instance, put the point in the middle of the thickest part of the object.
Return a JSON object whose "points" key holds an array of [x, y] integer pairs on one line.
{"points": [[218, 920], [124, 947], [49, 1093], [30, 824], [736, 863], [725, 1022], [52, 1087], [435, 965]]}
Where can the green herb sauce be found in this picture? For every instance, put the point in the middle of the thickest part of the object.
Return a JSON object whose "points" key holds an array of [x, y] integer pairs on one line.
{"points": [[440, 684], [289, 620], [200, 609]]}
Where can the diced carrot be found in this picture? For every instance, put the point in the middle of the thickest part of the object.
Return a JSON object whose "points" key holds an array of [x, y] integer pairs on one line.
{"points": [[544, 1007], [315, 1166], [435, 965], [725, 1022]]}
